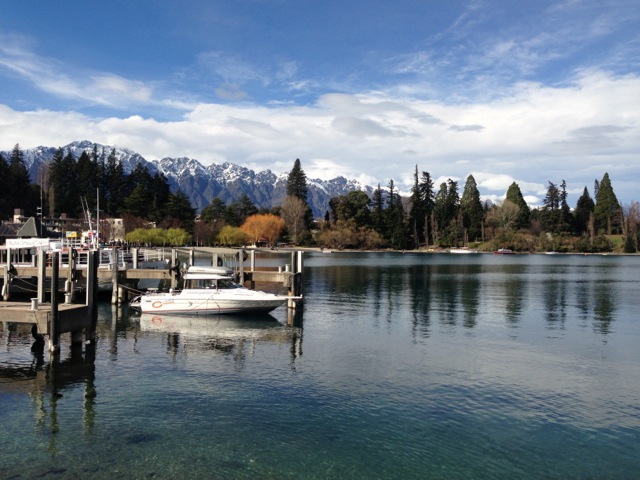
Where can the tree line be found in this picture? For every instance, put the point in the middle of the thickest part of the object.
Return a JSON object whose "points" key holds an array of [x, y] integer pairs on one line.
{"points": [[69, 185], [443, 218], [428, 217]]}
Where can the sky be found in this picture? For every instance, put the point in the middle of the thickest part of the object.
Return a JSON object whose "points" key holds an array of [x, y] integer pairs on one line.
{"points": [[530, 92]]}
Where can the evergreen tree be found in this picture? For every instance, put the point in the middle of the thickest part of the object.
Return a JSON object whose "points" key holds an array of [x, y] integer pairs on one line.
{"points": [[417, 215], [113, 184], [584, 210], [137, 203], [377, 212], [19, 186], [215, 211], [297, 182], [355, 206], [427, 202], [514, 195], [471, 210], [568, 222], [550, 214], [160, 194], [394, 219], [64, 183], [179, 213], [607, 211], [5, 178], [448, 225], [87, 179], [297, 187]]}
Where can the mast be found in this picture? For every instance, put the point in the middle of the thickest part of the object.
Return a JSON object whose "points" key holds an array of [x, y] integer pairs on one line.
{"points": [[97, 240]]}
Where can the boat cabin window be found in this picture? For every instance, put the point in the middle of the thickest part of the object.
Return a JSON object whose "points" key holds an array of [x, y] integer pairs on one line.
{"points": [[221, 283]]}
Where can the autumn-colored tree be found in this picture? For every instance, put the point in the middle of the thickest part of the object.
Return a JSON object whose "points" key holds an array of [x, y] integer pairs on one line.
{"points": [[263, 226]]}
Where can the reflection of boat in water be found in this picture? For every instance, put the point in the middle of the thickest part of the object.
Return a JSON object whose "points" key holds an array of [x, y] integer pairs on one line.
{"points": [[209, 291], [231, 328]]}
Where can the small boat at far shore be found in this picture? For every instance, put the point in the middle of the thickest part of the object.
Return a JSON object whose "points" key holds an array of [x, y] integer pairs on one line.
{"points": [[463, 250], [209, 291], [504, 251]]}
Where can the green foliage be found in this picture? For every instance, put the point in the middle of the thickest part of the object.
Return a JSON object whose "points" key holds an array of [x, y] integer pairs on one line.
{"points": [[471, 210], [555, 214], [598, 244], [159, 237], [297, 182], [232, 236], [514, 195], [607, 211], [354, 205], [583, 212], [179, 212]]}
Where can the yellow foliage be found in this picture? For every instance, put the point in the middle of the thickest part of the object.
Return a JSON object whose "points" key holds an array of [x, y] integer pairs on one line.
{"points": [[263, 227]]}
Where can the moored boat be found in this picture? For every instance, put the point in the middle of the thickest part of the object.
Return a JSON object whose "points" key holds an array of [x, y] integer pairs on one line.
{"points": [[504, 251], [463, 250], [209, 291]]}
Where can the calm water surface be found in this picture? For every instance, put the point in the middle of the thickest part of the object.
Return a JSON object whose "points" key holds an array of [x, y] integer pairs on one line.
{"points": [[398, 366]]}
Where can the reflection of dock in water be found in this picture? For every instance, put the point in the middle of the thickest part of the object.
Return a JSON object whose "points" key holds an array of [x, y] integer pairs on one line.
{"points": [[48, 383]]}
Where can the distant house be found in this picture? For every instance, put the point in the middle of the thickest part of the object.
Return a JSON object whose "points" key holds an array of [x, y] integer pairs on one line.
{"points": [[21, 227]]}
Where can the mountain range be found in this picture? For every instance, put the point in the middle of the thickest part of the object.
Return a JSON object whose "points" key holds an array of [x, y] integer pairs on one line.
{"points": [[201, 183]]}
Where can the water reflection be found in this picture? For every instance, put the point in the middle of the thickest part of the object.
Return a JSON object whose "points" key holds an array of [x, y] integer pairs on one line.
{"points": [[48, 383], [234, 335], [469, 292]]}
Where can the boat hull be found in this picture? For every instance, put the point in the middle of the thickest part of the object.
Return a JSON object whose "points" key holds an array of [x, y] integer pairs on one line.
{"points": [[210, 304]]}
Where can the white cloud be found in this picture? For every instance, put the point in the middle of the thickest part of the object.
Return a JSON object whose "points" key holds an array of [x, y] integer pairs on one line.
{"points": [[576, 132]]}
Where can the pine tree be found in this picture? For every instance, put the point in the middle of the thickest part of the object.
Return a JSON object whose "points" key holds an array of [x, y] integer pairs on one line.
{"points": [[297, 182], [19, 186], [471, 209], [584, 209], [377, 211], [5, 206], [297, 187], [514, 195], [394, 219], [607, 211], [427, 200], [417, 212]]}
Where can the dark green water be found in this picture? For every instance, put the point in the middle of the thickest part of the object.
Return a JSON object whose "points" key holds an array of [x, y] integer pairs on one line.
{"points": [[399, 366]]}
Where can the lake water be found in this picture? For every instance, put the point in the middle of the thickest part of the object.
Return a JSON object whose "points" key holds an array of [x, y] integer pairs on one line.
{"points": [[397, 366]]}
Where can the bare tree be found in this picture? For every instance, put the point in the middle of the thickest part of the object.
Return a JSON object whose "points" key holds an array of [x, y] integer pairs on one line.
{"points": [[293, 212]]}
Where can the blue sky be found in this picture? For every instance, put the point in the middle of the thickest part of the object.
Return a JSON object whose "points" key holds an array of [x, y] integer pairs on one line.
{"points": [[525, 91]]}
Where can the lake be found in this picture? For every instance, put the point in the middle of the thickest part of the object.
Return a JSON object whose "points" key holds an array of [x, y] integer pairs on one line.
{"points": [[414, 365]]}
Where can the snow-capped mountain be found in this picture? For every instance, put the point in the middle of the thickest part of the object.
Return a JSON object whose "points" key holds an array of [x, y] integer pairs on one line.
{"points": [[200, 183]]}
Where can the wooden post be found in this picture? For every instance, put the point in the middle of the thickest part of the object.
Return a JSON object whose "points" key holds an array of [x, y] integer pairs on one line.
{"points": [[92, 292], [174, 262], [114, 276], [5, 285], [252, 263], [42, 274], [192, 257], [72, 266], [54, 319], [241, 265], [134, 257]]}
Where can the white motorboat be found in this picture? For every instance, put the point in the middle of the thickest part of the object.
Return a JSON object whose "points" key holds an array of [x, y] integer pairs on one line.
{"points": [[209, 291], [463, 250]]}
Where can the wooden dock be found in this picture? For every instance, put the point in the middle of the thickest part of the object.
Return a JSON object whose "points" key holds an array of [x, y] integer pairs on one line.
{"points": [[51, 279], [54, 318]]}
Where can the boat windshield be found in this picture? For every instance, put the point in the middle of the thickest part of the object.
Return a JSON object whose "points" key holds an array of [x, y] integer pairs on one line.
{"points": [[206, 283]]}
